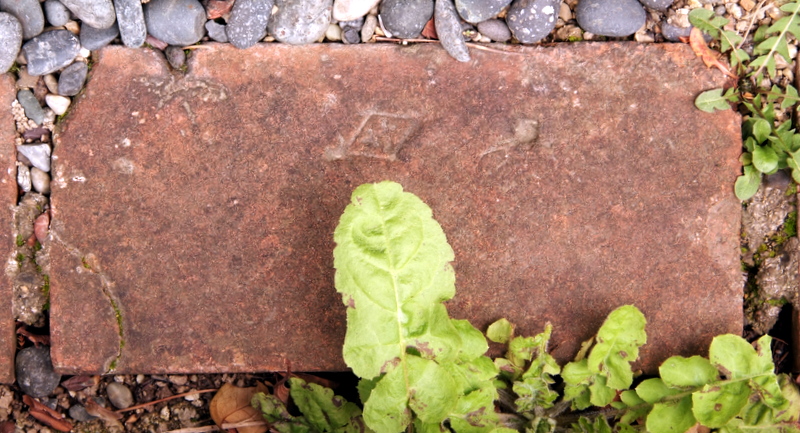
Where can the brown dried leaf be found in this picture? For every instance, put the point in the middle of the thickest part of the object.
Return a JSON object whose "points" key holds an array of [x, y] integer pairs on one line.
{"points": [[698, 428], [45, 415], [709, 57], [41, 226], [109, 416], [430, 30], [231, 404], [33, 338], [77, 383]]}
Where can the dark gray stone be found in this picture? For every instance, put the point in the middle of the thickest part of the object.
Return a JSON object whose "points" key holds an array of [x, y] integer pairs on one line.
{"points": [[28, 13], [72, 78], [51, 51], [351, 30], [448, 27], [96, 13], [300, 22], [216, 31], [176, 22], [94, 39], [35, 375], [532, 20], [33, 110], [659, 5], [175, 56], [615, 18], [496, 30], [406, 18], [674, 33], [10, 40], [248, 22], [56, 13], [130, 20], [78, 413], [475, 11]]}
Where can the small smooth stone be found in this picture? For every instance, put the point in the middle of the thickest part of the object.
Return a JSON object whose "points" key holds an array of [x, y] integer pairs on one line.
{"points": [[73, 26], [351, 35], [406, 18], [56, 13], [51, 83], [28, 13], [475, 11], [248, 22], [10, 40], [51, 51], [40, 181], [130, 21], [496, 30], [368, 29], [94, 39], [333, 33], [35, 375], [216, 31], [532, 20], [175, 56], [659, 5], [119, 395], [300, 22], [347, 10], [31, 106], [176, 22], [38, 154], [59, 104], [95, 13], [449, 29], [72, 78], [674, 33], [615, 18], [78, 413], [24, 177]]}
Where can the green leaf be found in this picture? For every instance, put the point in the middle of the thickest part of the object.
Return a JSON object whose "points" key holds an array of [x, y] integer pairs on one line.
{"points": [[791, 413], [715, 405], [711, 100], [761, 130], [678, 372], [654, 390], [577, 377], [736, 358], [475, 412], [618, 342], [500, 331], [746, 158], [387, 408], [601, 394], [323, 410], [671, 417], [274, 412], [585, 425], [636, 407], [747, 184], [534, 388], [765, 159], [707, 21]]}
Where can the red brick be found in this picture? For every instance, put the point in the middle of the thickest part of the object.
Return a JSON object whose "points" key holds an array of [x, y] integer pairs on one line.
{"points": [[8, 199], [204, 204]]}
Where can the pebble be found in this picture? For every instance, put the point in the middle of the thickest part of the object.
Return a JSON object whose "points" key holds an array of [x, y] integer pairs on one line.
{"points": [[406, 18], [248, 22], [532, 20], [495, 29], [24, 177], [35, 375], [348, 10], [56, 13], [51, 51], [72, 78], [130, 20], [300, 22], [216, 31], [96, 13], [31, 106], [176, 22], [613, 18], [59, 104], [448, 27], [659, 5], [119, 395], [351, 30], [51, 83], [674, 33], [94, 39], [175, 56], [10, 40], [40, 181], [28, 13], [368, 29], [475, 11], [78, 413], [38, 154]]}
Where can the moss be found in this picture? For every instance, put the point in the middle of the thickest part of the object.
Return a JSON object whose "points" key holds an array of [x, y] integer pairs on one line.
{"points": [[776, 302], [792, 190], [85, 263], [20, 241], [574, 38], [790, 225], [20, 258]]}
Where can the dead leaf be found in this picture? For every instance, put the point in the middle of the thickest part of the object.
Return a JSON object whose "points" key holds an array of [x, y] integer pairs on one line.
{"points": [[41, 226], [77, 383], [33, 338], [231, 404], [430, 30], [45, 415], [709, 57], [111, 418]]}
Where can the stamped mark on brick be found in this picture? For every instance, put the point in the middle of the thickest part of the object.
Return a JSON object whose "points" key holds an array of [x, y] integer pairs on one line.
{"points": [[525, 137], [379, 135]]}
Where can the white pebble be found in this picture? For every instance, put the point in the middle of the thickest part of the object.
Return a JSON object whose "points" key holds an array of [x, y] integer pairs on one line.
{"points": [[40, 180], [24, 177], [84, 52], [334, 32], [368, 29], [57, 103]]}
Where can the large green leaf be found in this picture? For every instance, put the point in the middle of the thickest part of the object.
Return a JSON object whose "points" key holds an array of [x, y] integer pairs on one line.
{"points": [[715, 405], [678, 371], [765, 159], [618, 342], [747, 184], [500, 331], [577, 378], [671, 417], [654, 390], [712, 100]]}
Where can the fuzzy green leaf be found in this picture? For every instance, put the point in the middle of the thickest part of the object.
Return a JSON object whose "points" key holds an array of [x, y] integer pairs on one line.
{"points": [[577, 377], [500, 331], [671, 417], [747, 184], [534, 388], [711, 100], [715, 405], [618, 342], [323, 410], [678, 372], [585, 425]]}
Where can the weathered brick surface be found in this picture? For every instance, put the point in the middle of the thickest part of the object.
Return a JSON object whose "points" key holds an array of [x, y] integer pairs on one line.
{"points": [[569, 180], [8, 199]]}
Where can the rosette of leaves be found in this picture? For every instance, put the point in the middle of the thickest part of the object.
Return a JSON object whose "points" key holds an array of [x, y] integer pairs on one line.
{"points": [[416, 364]]}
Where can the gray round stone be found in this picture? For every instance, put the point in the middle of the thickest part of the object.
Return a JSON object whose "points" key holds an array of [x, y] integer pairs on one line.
{"points": [[406, 18], [56, 13], [119, 395], [300, 22], [94, 39], [176, 22], [351, 30], [35, 375], [216, 31], [475, 11], [96, 13], [175, 56], [130, 20], [72, 78], [615, 18], [532, 20], [38, 154], [28, 13], [248, 22], [674, 33], [659, 5], [495, 29], [10, 40], [448, 27], [51, 51], [33, 110], [78, 413]]}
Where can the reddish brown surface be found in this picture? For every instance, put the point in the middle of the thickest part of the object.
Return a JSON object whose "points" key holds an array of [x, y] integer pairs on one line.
{"points": [[8, 199], [204, 205]]}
